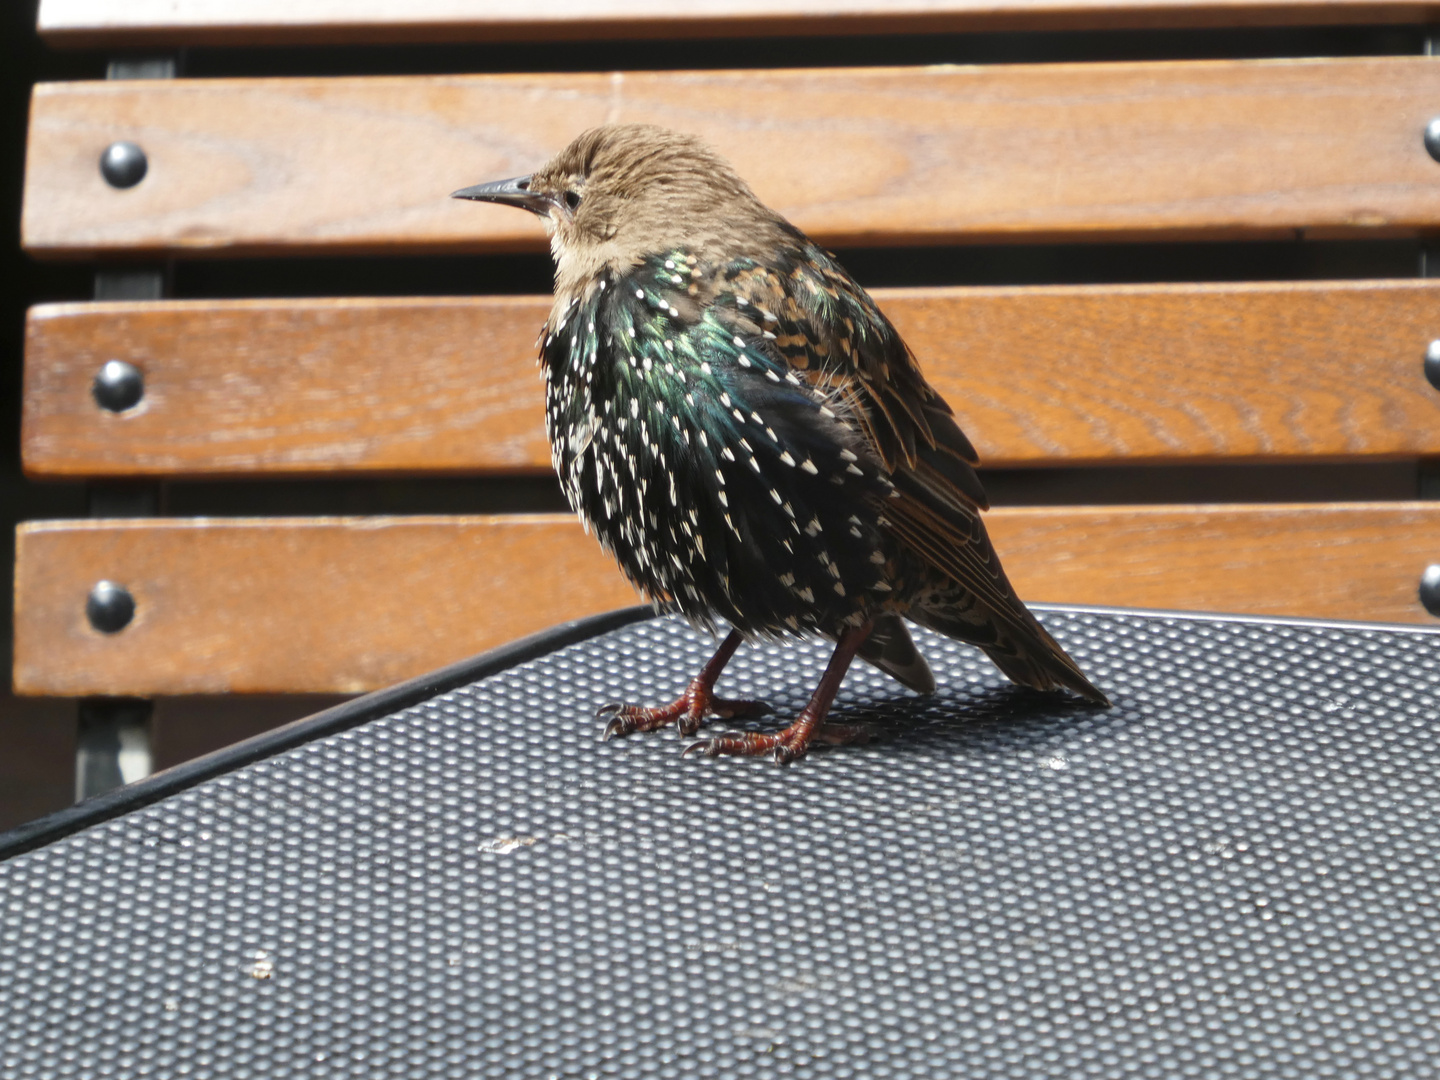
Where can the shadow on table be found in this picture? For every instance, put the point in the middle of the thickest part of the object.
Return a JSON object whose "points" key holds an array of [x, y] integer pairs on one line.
{"points": [[1009, 718], [984, 720]]}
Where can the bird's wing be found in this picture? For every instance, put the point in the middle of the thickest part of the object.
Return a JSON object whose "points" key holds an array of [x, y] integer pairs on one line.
{"points": [[829, 332], [827, 326]]}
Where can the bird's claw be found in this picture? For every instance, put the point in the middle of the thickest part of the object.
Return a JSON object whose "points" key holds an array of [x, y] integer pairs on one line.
{"points": [[687, 712], [628, 719], [783, 746], [688, 724]]}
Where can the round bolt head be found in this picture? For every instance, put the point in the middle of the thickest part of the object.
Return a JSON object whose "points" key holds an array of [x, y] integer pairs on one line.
{"points": [[123, 164], [118, 386], [1430, 589], [1432, 363], [110, 607]]}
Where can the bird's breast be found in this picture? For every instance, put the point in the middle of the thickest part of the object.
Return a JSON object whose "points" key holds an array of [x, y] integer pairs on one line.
{"points": [[719, 481]]}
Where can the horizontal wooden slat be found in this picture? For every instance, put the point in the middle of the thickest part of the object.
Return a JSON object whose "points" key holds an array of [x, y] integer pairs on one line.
{"points": [[289, 386], [1037, 375], [322, 605], [351, 604], [859, 156], [92, 23]]}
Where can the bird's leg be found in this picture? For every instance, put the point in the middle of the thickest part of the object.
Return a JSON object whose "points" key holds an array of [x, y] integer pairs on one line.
{"points": [[686, 711], [789, 744]]}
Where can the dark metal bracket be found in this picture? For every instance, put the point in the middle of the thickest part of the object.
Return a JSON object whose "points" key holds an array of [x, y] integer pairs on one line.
{"points": [[114, 735]]}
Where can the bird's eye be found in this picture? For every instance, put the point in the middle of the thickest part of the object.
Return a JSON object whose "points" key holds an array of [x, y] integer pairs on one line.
{"points": [[572, 200]]}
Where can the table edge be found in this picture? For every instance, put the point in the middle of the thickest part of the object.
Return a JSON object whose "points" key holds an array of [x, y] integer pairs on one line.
{"points": [[348, 714], [65, 822]]}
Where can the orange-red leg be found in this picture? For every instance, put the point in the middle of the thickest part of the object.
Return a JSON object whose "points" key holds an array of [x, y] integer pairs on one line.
{"points": [[793, 741], [690, 708]]}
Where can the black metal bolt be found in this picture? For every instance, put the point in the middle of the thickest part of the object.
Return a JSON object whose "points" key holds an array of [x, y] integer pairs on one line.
{"points": [[1432, 363], [123, 164], [1432, 138], [119, 386], [110, 607], [1430, 589]]}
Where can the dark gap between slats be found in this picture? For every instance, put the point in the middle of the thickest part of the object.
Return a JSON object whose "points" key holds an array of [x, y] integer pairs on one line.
{"points": [[1029, 264], [1119, 485], [1010, 47]]}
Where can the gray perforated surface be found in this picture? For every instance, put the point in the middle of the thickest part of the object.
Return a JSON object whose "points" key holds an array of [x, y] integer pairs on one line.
{"points": [[1231, 873]]}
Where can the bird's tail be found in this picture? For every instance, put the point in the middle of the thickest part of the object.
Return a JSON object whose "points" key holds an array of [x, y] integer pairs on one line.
{"points": [[891, 648], [1041, 662], [1022, 649]]}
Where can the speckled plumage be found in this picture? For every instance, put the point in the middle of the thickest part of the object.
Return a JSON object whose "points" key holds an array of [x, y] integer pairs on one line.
{"points": [[703, 459], [747, 434]]}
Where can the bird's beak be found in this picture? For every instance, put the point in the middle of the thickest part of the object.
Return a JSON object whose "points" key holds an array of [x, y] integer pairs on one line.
{"points": [[512, 192]]}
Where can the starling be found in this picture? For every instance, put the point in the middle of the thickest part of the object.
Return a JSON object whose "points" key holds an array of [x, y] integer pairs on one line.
{"points": [[750, 438]]}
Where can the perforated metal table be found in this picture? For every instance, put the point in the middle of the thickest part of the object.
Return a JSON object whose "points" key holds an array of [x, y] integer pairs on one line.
{"points": [[1231, 873]]}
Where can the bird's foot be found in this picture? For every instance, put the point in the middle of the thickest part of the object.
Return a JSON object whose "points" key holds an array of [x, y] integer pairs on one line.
{"points": [[785, 746], [686, 712]]}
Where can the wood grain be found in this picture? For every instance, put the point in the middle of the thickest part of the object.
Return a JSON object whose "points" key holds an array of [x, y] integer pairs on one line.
{"points": [[855, 156], [415, 385], [1037, 375], [342, 605], [303, 605], [95, 23]]}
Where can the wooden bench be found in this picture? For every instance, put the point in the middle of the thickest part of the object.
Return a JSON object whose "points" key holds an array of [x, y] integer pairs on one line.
{"points": [[1312, 373]]}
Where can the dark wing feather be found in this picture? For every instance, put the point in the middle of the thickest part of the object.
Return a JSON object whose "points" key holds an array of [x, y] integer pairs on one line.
{"points": [[831, 331]]}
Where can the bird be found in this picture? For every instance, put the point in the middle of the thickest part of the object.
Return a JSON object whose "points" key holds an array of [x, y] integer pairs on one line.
{"points": [[742, 428]]}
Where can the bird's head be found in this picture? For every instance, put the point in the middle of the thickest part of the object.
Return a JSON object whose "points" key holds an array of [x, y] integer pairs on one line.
{"points": [[624, 191]]}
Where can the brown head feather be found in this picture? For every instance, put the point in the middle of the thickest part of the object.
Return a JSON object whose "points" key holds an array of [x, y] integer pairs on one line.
{"points": [[643, 189]]}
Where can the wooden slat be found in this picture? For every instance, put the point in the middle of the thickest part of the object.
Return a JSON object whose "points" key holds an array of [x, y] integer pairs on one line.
{"points": [[1037, 375], [351, 604], [322, 605], [862, 156], [93, 23], [289, 386]]}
